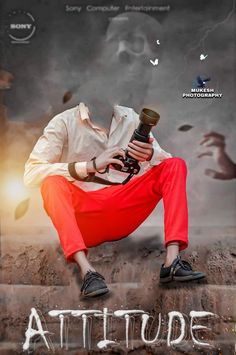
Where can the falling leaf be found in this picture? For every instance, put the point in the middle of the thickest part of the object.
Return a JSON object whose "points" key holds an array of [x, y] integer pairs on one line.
{"points": [[185, 127], [22, 208], [67, 96]]}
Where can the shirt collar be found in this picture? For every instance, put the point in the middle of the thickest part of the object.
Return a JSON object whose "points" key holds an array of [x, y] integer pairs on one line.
{"points": [[119, 112], [83, 111]]}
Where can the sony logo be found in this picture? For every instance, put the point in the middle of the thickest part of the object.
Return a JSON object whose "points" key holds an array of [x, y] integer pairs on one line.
{"points": [[20, 26]]}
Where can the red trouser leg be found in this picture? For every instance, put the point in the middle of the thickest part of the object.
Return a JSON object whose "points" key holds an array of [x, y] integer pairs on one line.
{"points": [[86, 219]]}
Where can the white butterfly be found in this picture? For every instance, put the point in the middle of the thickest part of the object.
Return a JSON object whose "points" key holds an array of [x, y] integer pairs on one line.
{"points": [[154, 62], [202, 56]]}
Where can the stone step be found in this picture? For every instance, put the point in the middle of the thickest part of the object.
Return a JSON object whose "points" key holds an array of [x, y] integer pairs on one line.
{"points": [[36, 275], [33, 256], [222, 344], [17, 300]]}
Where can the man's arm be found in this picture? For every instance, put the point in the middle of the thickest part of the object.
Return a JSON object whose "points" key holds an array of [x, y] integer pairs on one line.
{"points": [[45, 157], [150, 152], [155, 154], [159, 154]]}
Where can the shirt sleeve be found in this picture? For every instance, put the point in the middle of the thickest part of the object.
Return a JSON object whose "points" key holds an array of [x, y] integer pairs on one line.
{"points": [[159, 154], [44, 160]]}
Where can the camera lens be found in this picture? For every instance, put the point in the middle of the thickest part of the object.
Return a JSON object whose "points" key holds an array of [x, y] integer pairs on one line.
{"points": [[149, 117]]}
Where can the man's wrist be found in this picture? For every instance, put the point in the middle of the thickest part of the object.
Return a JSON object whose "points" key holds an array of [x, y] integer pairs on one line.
{"points": [[81, 169], [90, 167]]}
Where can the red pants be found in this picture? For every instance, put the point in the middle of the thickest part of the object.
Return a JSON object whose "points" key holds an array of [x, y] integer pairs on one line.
{"points": [[85, 219]]}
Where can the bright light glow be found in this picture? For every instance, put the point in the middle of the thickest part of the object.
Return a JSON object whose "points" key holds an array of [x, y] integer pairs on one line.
{"points": [[14, 190]]}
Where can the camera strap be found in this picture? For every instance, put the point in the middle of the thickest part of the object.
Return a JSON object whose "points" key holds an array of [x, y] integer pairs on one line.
{"points": [[127, 179], [93, 178]]}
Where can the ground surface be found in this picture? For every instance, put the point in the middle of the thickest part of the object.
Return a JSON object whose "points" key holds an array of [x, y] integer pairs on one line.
{"points": [[34, 274]]}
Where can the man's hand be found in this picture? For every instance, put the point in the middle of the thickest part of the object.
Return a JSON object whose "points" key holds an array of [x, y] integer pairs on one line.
{"points": [[106, 158], [141, 151]]}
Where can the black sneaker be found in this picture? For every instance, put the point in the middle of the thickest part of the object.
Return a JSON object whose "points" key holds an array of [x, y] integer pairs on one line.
{"points": [[179, 270], [93, 284]]}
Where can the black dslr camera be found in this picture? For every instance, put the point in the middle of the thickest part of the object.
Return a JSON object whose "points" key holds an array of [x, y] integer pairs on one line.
{"points": [[148, 119]]}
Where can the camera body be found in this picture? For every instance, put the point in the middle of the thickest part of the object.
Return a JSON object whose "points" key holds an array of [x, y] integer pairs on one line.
{"points": [[148, 119]]}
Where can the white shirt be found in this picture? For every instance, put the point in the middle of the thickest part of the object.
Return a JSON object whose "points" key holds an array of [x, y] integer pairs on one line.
{"points": [[71, 137]]}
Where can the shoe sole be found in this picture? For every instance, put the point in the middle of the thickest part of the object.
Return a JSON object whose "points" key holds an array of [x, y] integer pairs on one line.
{"points": [[182, 278], [99, 292]]}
